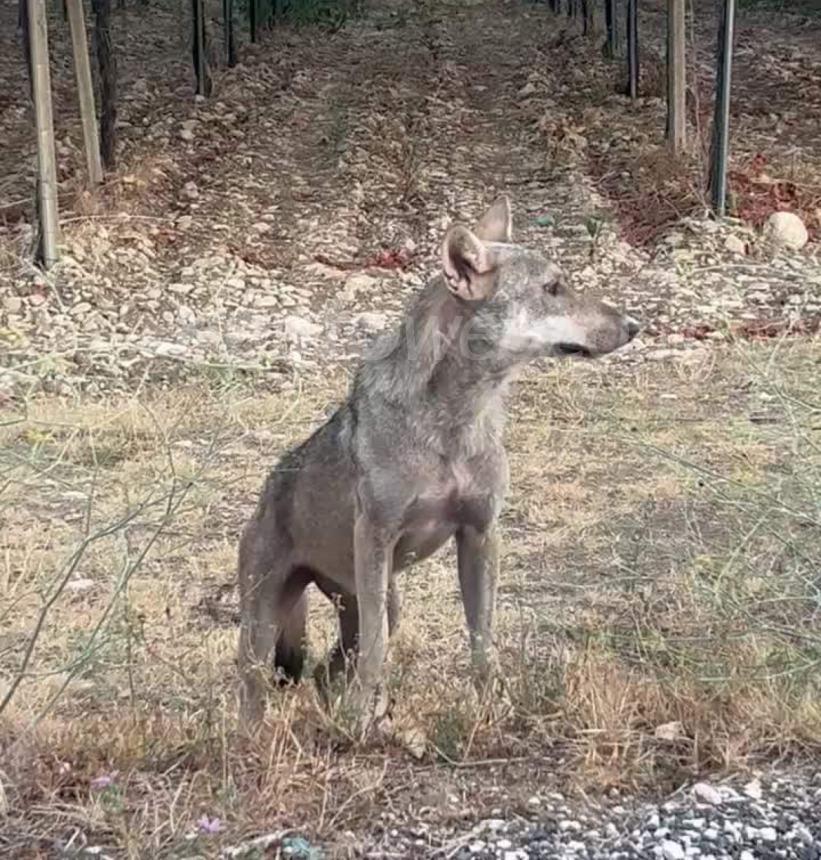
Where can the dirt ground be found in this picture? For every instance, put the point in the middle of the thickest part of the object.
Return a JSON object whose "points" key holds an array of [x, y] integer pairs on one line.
{"points": [[660, 576]]}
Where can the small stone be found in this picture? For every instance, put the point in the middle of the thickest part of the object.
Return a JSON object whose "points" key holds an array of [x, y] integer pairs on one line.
{"points": [[672, 850], [746, 855], [180, 288], [504, 844], [190, 190], [80, 585], [12, 304], [735, 245], [186, 134], [786, 229], [371, 321], [705, 792], [36, 299], [167, 349], [768, 834], [357, 284], [527, 90], [753, 789], [668, 731], [298, 328], [266, 302]]}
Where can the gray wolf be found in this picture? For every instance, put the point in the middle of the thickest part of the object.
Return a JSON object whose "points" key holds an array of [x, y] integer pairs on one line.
{"points": [[413, 458]]}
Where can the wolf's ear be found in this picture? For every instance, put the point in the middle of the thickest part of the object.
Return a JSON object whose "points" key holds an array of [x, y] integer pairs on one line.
{"points": [[468, 265], [496, 225]]}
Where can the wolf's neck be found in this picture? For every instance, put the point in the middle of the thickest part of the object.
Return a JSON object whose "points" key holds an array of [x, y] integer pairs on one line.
{"points": [[430, 365]]}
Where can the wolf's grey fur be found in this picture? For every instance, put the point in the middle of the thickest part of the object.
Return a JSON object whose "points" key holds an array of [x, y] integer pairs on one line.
{"points": [[411, 459]]}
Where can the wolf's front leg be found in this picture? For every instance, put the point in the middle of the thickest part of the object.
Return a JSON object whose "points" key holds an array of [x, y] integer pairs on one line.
{"points": [[478, 558], [372, 557]]}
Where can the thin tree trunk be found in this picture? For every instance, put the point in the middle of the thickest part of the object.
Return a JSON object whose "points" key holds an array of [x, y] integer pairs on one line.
{"points": [[228, 32], [46, 160], [676, 77], [611, 23], [199, 45], [85, 91], [107, 68], [632, 49]]}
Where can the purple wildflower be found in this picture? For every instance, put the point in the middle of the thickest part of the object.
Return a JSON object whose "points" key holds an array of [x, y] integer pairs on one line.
{"points": [[209, 825], [99, 783]]}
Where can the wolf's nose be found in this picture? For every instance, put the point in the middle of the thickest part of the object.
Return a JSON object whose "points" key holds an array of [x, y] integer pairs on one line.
{"points": [[633, 328]]}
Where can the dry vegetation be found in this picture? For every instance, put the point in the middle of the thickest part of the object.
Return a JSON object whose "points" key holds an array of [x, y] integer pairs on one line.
{"points": [[658, 609]]}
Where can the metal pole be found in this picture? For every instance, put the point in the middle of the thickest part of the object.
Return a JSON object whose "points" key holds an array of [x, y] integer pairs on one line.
{"points": [[46, 160], [721, 123], [676, 77], [85, 91], [632, 49]]}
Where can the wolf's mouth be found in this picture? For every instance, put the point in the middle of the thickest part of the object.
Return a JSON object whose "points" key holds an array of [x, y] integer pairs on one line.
{"points": [[573, 349]]}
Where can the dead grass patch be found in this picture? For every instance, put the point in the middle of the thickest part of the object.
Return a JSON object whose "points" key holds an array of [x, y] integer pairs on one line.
{"points": [[656, 614]]}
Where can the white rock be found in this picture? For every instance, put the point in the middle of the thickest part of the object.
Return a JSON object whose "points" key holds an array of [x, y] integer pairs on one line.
{"points": [[186, 134], [190, 190], [371, 321], [768, 834], [297, 328], [753, 789], [357, 284], [527, 90], [746, 855], [167, 349], [735, 245], [12, 304], [786, 229], [266, 302], [706, 793], [79, 585], [672, 850], [667, 731]]}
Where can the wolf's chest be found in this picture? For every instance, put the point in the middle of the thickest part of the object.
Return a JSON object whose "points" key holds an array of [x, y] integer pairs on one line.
{"points": [[454, 501]]}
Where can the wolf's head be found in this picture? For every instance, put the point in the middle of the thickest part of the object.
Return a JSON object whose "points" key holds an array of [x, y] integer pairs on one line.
{"points": [[522, 306]]}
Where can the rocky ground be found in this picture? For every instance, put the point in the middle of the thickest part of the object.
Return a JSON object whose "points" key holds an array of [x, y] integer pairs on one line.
{"points": [[280, 224], [755, 818]]}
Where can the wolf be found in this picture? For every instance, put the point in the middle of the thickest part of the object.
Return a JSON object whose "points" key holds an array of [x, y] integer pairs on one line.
{"points": [[413, 458]]}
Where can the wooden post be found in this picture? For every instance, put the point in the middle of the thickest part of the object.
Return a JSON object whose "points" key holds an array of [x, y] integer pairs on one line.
{"points": [[85, 91], [228, 32], [721, 123], [632, 49], [107, 68], [46, 160], [676, 77]]}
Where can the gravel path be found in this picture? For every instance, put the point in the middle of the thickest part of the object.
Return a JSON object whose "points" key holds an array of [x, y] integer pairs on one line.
{"points": [[778, 816]]}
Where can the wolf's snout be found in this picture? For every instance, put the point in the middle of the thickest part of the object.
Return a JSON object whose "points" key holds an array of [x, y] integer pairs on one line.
{"points": [[632, 327]]}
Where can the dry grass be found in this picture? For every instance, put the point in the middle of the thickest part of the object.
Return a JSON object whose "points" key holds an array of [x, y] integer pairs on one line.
{"points": [[657, 614]]}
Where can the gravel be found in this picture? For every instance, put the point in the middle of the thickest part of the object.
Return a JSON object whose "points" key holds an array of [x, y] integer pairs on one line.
{"points": [[711, 821]]}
